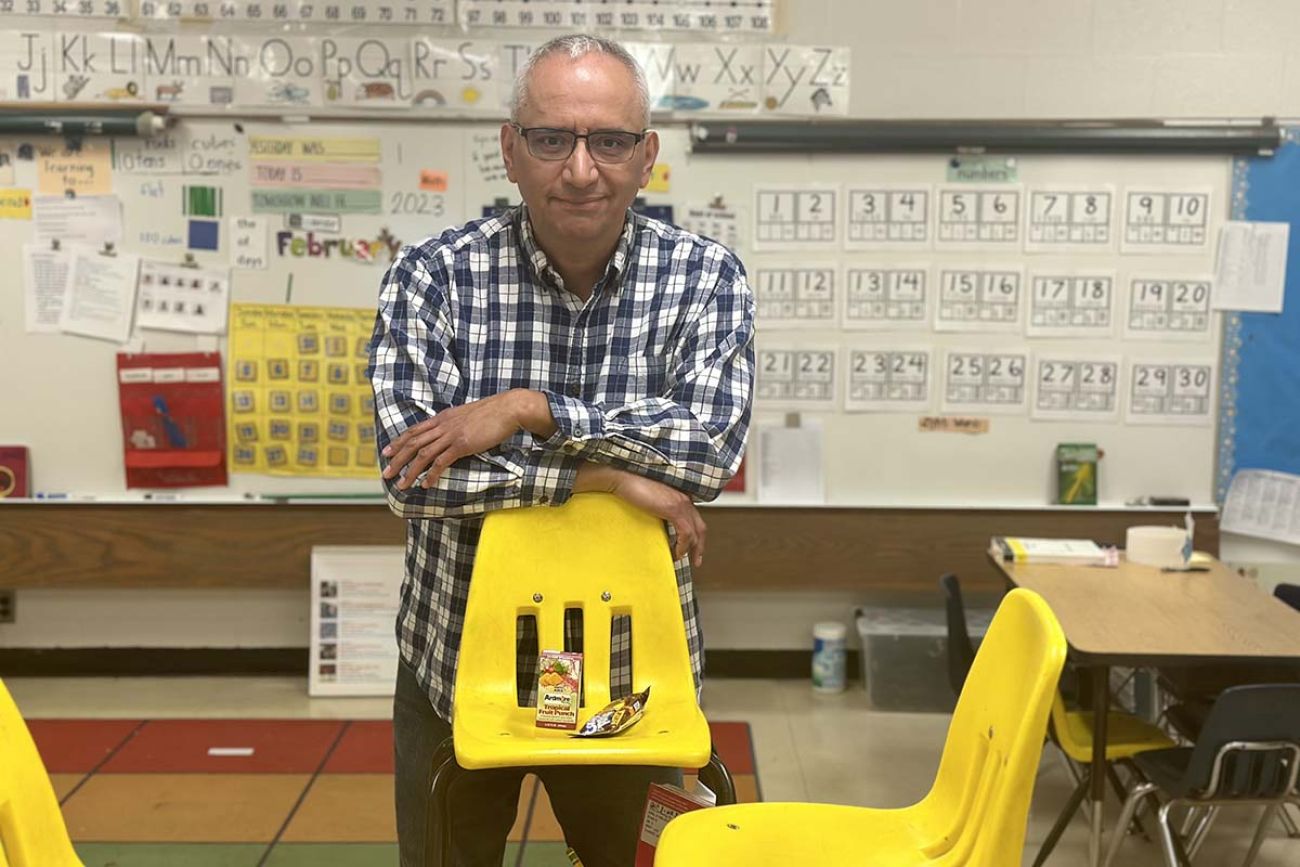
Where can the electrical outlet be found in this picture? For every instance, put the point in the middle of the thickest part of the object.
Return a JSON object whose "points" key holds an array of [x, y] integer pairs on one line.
{"points": [[8, 606]]}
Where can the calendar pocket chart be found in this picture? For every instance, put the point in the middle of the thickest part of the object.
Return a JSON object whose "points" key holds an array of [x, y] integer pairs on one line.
{"points": [[797, 377], [1170, 392], [979, 217], [892, 298], [888, 216], [1169, 308], [1068, 387], [889, 380], [979, 299], [1064, 304], [1074, 218], [796, 297], [1163, 220], [980, 381], [796, 217]]}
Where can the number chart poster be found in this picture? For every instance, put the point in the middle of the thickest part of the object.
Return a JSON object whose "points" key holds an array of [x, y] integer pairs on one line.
{"points": [[300, 401]]}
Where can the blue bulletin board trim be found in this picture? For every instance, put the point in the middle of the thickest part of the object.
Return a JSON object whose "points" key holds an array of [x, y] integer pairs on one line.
{"points": [[1259, 383]]}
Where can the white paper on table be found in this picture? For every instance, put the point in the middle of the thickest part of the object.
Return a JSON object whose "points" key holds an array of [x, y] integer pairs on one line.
{"points": [[45, 282], [175, 297], [790, 464], [1252, 266], [100, 299], [1263, 503], [91, 220]]}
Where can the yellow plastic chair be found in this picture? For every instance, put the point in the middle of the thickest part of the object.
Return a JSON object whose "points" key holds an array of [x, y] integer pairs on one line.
{"points": [[32, 833], [1126, 736], [605, 557], [975, 813]]}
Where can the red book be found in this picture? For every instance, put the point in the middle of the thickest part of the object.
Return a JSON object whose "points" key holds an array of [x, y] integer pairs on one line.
{"points": [[14, 473], [662, 805]]}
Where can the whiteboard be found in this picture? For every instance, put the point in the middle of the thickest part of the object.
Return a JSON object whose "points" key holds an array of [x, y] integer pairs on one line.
{"points": [[61, 396]]}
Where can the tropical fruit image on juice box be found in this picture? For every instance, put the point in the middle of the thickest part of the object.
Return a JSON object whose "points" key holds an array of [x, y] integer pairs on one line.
{"points": [[559, 689]]}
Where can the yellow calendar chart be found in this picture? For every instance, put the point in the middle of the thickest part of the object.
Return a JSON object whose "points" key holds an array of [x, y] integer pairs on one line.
{"points": [[300, 402]]}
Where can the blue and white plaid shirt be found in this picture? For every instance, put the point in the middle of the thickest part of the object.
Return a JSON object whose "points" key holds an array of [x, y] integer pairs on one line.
{"points": [[652, 374]]}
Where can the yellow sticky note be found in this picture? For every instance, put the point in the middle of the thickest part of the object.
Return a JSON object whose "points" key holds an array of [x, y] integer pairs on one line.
{"points": [[659, 176], [86, 171], [433, 180], [15, 204]]}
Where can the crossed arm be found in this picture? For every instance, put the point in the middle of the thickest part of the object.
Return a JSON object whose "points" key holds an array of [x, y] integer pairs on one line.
{"points": [[445, 456]]}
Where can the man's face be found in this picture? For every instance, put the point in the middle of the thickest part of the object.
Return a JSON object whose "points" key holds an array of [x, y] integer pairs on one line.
{"points": [[579, 198]]}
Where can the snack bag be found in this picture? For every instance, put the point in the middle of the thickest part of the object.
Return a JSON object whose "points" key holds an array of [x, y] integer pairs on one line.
{"points": [[559, 687], [617, 716]]}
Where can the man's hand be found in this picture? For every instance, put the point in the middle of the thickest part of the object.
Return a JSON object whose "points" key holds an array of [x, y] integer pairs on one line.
{"points": [[459, 431], [654, 497]]}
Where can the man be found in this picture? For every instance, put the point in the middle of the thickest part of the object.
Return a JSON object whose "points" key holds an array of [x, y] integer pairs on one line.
{"points": [[565, 346]]}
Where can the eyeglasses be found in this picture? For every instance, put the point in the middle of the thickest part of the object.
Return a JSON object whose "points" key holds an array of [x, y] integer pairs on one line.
{"points": [[604, 145]]}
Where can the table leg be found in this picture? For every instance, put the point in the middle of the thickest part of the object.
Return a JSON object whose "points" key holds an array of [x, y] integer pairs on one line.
{"points": [[1097, 770]]}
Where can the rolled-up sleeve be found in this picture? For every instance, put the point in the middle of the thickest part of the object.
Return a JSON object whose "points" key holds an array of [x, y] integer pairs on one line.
{"points": [[415, 376]]}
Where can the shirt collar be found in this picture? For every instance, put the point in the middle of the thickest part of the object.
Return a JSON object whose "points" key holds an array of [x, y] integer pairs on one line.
{"points": [[541, 265]]}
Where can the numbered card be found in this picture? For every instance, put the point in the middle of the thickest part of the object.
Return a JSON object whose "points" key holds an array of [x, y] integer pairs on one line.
{"points": [[795, 297], [1166, 220], [1072, 388], [1169, 308], [982, 382], [733, 16], [889, 380], [65, 8], [892, 298], [1171, 392], [1070, 218], [979, 216], [796, 378], [978, 299], [1067, 304], [887, 217], [795, 217]]}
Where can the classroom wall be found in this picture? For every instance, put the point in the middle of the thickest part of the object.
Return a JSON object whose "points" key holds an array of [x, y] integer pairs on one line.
{"points": [[915, 59]]}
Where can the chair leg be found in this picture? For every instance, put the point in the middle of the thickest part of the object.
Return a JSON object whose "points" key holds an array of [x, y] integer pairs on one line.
{"points": [[437, 827], [1126, 815], [1202, 831], [1287, 822], [1175, 855], [1260, 830], [1118, 785], [1062, 821], [716, 776]]}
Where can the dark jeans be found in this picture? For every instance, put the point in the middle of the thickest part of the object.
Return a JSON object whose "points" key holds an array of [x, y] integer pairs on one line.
{"points": [[599, 807]]}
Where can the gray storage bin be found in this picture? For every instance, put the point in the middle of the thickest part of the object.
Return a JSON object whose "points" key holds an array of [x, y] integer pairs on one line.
{"points": [[905, 656]]}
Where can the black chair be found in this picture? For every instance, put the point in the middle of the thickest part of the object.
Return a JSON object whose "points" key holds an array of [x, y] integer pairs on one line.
{"points": [[961, 650], [1288, 593], [1248, 753]]}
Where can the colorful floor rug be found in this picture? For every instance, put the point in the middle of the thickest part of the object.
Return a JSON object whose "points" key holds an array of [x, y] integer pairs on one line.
{"points": [[147, 793]]}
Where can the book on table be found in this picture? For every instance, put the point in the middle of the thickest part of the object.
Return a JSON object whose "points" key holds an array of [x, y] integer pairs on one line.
{"points": [[1023, 549]]}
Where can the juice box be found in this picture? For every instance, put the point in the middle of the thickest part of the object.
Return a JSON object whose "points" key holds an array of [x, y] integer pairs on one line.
{"points": [[559, 689]]}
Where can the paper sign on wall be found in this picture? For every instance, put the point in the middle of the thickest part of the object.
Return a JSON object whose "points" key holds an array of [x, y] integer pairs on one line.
{"points": [[248, 243], [15, 204], [86, 170]]}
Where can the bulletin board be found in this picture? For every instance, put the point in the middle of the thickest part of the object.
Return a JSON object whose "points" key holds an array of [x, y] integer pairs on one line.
{"points": [[813, 285]]}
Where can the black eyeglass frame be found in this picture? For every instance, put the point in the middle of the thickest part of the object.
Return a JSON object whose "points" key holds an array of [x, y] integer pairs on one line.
{"points": [[525, 130]]}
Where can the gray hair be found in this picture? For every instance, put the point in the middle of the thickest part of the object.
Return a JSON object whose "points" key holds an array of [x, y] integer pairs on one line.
{"points": [[577, 45]]}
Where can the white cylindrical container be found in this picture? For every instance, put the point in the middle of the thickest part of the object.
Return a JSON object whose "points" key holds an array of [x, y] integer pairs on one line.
{"points": [[828, 656]]}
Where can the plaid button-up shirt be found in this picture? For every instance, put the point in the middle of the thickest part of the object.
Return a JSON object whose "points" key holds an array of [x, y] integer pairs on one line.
{"points": [[652, 374]]}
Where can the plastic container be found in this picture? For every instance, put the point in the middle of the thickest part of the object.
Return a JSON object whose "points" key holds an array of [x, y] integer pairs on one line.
{"points": [[905, 656], [828, 656]]}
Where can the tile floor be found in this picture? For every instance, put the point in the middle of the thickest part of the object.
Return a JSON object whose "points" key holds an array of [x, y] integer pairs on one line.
{"points": [[809, 747]]}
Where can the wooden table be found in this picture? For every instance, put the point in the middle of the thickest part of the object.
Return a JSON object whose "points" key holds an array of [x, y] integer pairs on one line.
{"points": [[1138, 616]]}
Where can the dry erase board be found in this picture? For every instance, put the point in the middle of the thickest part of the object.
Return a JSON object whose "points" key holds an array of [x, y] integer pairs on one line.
{"points": [[1068, 304]]}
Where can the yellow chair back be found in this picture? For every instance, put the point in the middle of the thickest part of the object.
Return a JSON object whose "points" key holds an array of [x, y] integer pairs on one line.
{"points": [[32, 833], [978, 807], [599, 554]]}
